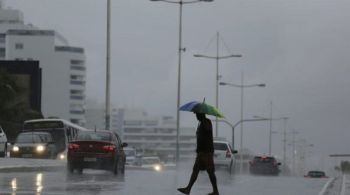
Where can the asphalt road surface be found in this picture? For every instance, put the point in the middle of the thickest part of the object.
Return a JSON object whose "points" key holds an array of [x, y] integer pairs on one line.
{"points": [[147, 182]]}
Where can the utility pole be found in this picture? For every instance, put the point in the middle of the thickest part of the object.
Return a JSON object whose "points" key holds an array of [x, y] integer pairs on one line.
{"points": [[270, 134], [217, 59], [285, 144], [108, 66]]}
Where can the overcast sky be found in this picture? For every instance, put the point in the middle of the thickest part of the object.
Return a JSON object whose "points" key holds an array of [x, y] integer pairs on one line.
{"points": [[299, 48]]}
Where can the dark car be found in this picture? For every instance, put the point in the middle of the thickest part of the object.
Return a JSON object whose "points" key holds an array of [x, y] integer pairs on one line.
{"points": [[33, 145], [316, 174], [266, 165], [96, 150]]}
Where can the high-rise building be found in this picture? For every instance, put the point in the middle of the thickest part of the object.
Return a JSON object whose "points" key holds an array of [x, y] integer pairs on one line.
{"points": [[63, 66]]}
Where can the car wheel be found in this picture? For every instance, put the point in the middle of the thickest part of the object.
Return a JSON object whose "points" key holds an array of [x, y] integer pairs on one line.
{"points": [[230, 167], [70, 168], [122, 166], [115, 168], [2, 154], [80, 170]]}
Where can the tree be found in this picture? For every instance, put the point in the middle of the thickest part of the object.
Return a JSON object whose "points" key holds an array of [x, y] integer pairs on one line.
{"points": [[13, 107]]}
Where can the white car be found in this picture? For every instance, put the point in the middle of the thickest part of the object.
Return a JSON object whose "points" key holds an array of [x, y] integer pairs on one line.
{"points": [[224, 155], [152, 162], [3, 143], [130, 154]]}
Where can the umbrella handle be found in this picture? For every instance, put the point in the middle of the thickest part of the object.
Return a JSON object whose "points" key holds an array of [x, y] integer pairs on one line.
{"points": [[204, 100]]}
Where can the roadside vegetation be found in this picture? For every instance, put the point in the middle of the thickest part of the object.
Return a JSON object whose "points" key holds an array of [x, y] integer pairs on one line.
{"points": [[14, 106]]}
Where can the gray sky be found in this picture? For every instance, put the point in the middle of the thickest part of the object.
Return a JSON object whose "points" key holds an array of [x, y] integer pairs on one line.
{"points": [[299, 48]]}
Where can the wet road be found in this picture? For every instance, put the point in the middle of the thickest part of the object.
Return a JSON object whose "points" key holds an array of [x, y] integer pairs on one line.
{"points": [[136, 182]]}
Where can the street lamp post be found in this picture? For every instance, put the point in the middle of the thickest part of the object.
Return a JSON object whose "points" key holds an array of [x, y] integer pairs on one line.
{"points": [[217, 58], [242, 86], [108, 66], [180, 50]]}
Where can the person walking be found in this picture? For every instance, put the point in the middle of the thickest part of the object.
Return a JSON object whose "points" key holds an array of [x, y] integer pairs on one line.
{"points": [[204, 159]]}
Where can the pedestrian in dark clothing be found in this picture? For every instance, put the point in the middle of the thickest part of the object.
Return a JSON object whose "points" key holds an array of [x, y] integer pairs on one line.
{"points": [[205, 151]]}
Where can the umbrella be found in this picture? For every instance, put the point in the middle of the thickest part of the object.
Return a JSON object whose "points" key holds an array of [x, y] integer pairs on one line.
{"points": [[201, 107]]}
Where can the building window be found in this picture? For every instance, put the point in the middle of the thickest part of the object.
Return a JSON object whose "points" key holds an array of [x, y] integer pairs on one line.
{"points": [[2, 52], [77, 62], [75, 67], [19, 46]]}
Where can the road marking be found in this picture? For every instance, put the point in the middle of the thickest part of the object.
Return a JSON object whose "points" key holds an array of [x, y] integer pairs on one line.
{"points": [[326, 186]]}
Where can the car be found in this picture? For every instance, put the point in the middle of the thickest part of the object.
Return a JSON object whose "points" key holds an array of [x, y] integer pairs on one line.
{"points": [[33, 145], [3, 143], [316, 174], [100, 149], [224, 155], [130, 156], [152, 162], [266, 165]]}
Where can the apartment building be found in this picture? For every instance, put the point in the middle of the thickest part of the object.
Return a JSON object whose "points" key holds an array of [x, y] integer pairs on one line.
{"points": [[63, 66]]}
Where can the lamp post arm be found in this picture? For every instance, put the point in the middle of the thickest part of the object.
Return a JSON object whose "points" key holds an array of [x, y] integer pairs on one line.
{"points": [[217, 57], [244, 86]]}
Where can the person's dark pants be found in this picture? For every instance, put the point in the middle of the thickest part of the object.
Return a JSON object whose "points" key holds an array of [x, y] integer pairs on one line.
{"points": [[204, 161]]}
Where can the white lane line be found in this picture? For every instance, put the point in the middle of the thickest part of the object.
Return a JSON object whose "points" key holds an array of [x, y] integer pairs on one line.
{"points": [[326, 186]]}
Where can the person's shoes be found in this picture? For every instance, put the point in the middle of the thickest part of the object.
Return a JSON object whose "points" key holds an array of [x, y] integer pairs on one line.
{"points": [[214, 193], [184, 190]]}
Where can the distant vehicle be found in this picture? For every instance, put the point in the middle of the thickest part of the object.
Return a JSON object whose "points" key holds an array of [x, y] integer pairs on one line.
{"points": [[130, 154], [62, 132], [224, 155], [34, 145], [3, 143], [316, 174], [96, 150], [264, 165], [152, 162]]}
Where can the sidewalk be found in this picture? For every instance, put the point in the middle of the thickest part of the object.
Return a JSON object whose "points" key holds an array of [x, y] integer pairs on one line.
{"points": [[23, 164]]}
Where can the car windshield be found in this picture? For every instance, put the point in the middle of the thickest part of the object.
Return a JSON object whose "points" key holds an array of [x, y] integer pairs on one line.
{"points": [[129, 152], [148, 161], [220, 146], [316, 173], [33, 138], [94, 136]]}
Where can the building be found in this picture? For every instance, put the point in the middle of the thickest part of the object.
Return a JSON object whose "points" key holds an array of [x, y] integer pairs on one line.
{"points": [[151, 135], [28, 78], [63, 66]]}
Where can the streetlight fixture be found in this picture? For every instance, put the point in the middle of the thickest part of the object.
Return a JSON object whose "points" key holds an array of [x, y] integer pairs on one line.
{"points": [[242, 86], [217, 58], [180, 50]]}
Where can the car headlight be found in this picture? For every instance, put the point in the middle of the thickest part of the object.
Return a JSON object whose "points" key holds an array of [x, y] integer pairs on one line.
{"points": [[15, 148], [40, 148], [157, 168], [62, 157]]}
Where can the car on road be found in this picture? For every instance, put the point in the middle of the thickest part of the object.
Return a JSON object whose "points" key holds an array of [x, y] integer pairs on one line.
{"points": [[130, 154], [33, 145], [316, 174], [224, 155], [152, 162], [3, 143], [265, 165], [96, 150]]}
